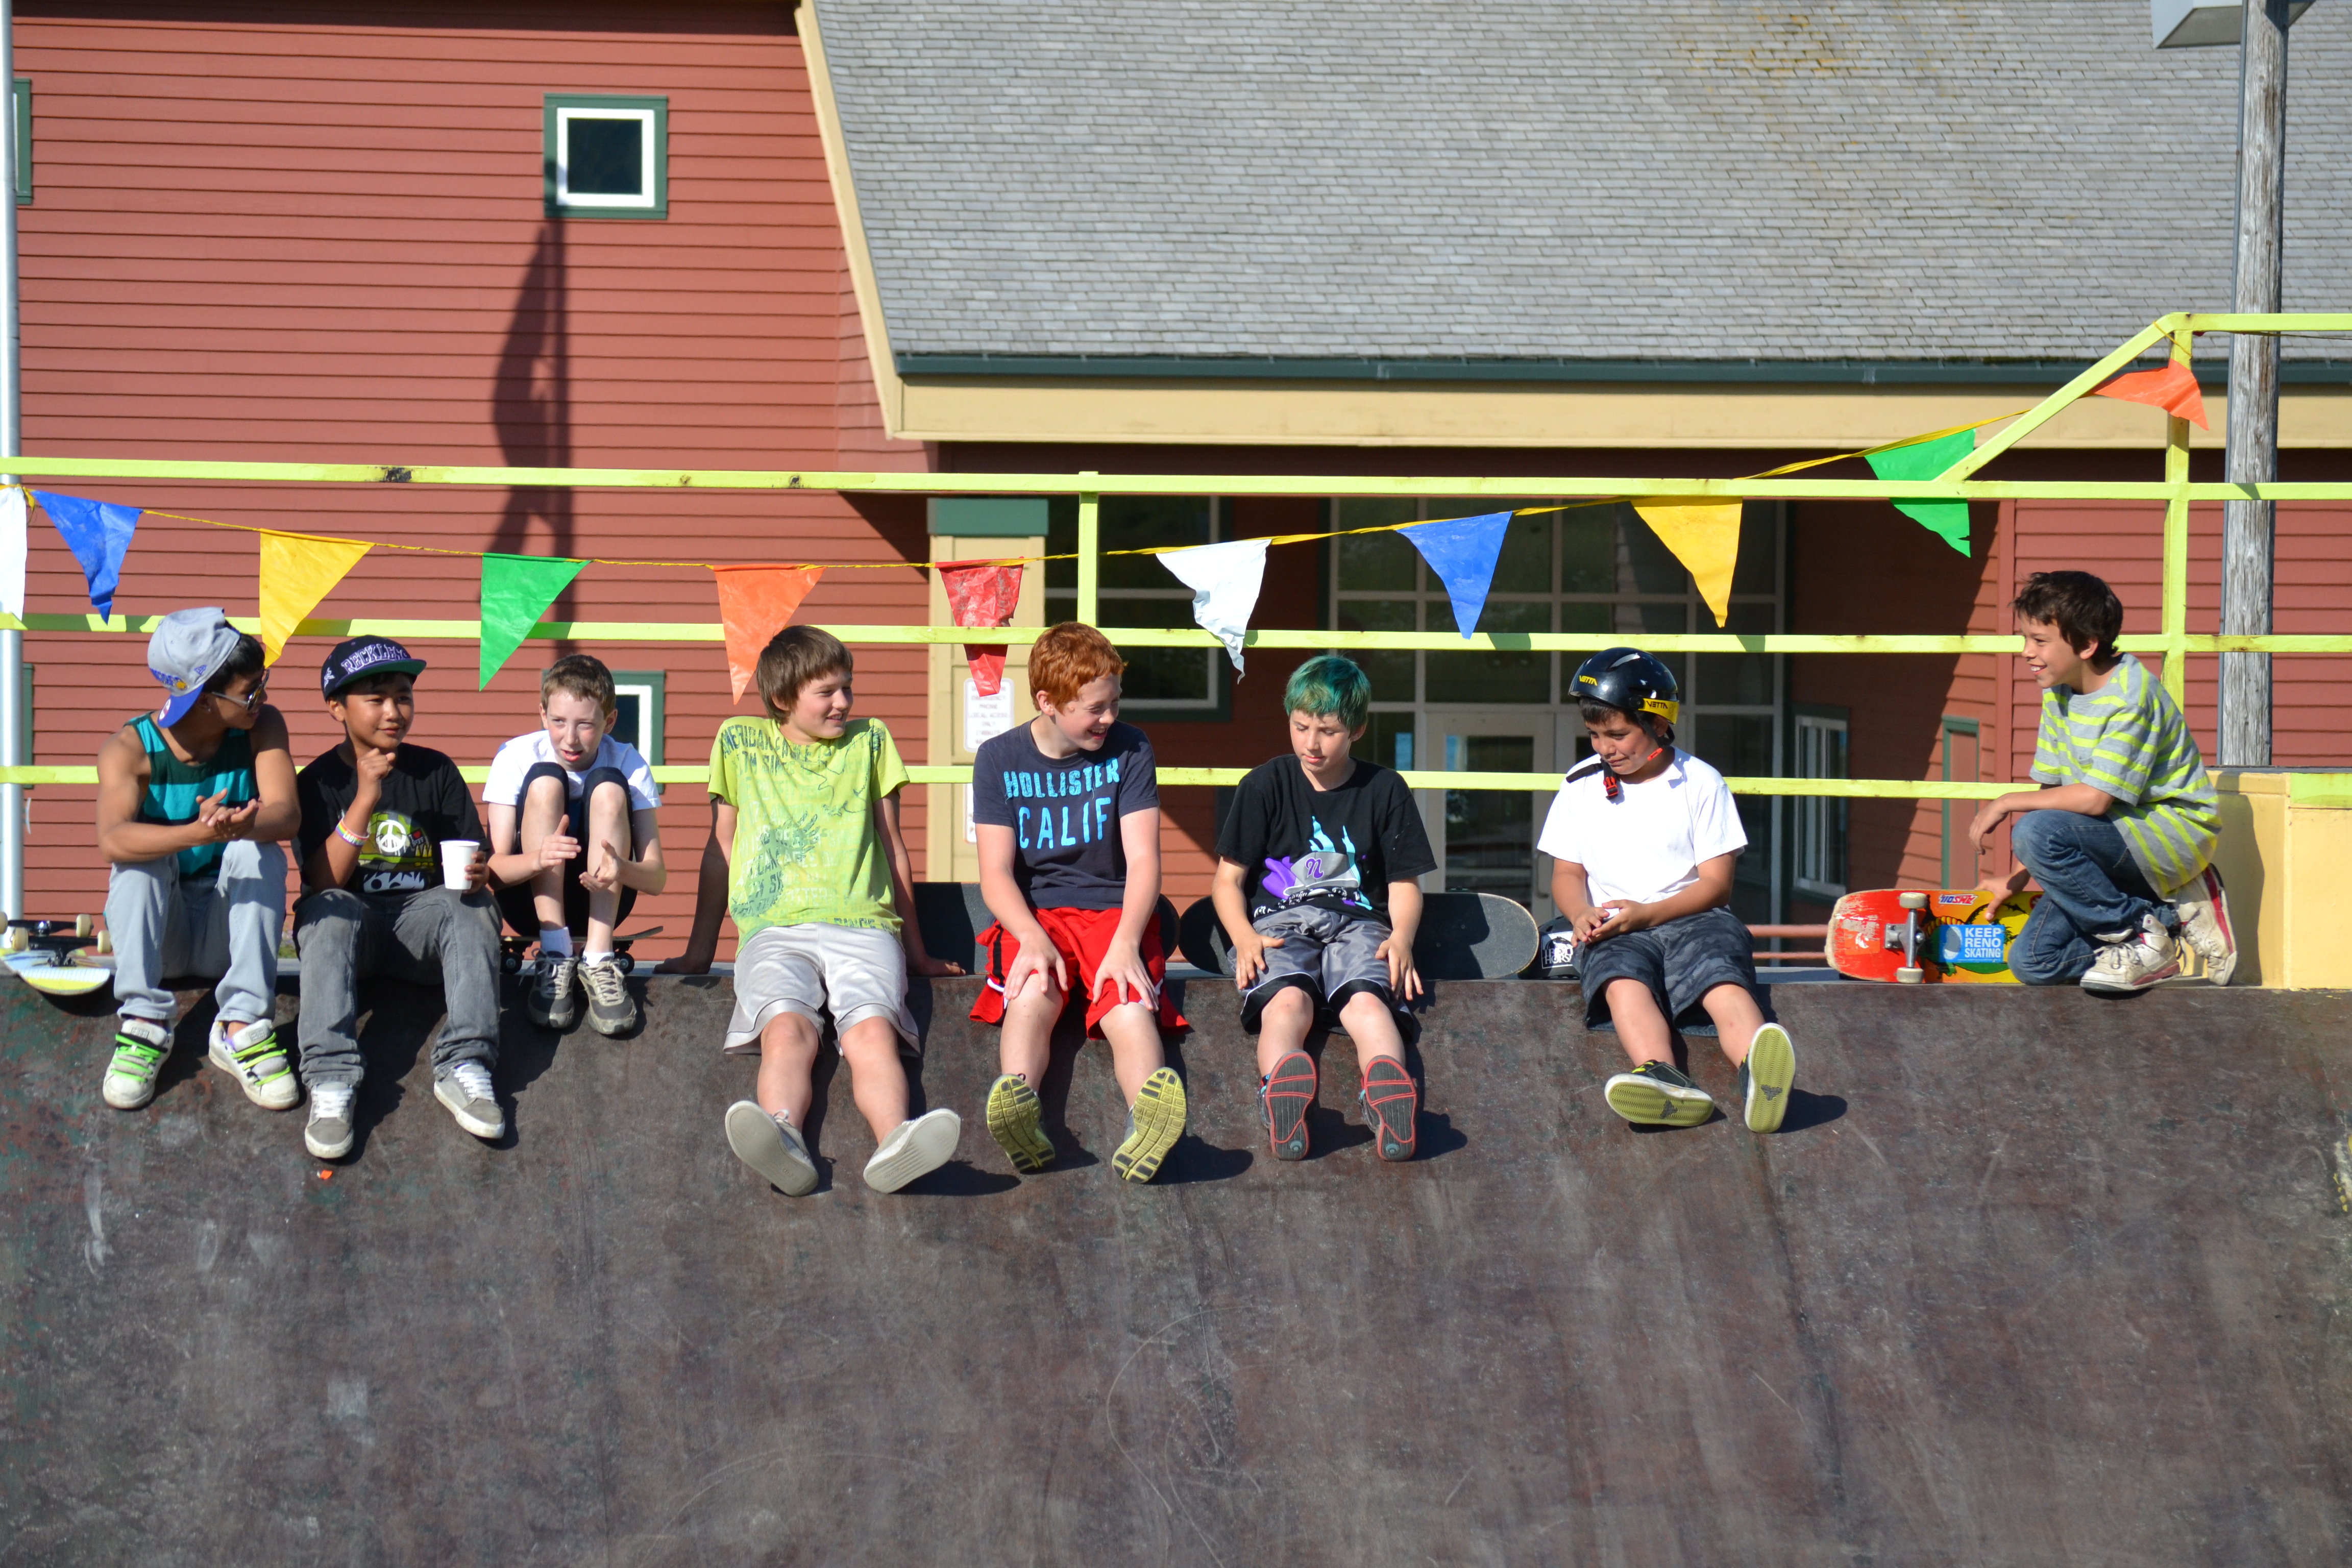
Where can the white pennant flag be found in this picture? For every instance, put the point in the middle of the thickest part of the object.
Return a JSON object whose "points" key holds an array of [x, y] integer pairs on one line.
{"points": [[1224, 580], [12, 553]]}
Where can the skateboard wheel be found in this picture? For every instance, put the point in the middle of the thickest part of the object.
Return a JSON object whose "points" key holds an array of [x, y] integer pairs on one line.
{"points": [[81, 925], [627, 962], [105, 942], [1912, 901], [1911, 975]]}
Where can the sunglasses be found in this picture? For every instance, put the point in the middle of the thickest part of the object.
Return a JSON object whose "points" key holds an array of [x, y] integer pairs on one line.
{"points": [[251, 700]]}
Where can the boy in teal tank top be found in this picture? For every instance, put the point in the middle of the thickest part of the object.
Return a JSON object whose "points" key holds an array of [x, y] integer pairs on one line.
{"points": [[192, 803]]}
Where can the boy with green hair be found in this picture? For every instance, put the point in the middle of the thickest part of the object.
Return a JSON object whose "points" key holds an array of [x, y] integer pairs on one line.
{"points": [[1315, 886]]}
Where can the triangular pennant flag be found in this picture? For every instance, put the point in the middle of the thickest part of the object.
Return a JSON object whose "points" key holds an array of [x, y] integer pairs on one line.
{"points": [[1463, 551], [755, 602], [984, 593], [2172, 389], [98, 533], [12, 553], [1224, 580], [516, 591], [1704, 538], [1948, 519], [297, 570]]}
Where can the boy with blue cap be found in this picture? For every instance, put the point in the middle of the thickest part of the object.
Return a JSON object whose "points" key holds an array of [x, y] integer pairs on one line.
{"points": [[192, 803]]}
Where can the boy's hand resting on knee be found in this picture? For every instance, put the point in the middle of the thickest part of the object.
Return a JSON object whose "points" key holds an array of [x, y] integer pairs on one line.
{"points": [[1249, 956], [1039, 962], [1404, 980], [1122, 966]]}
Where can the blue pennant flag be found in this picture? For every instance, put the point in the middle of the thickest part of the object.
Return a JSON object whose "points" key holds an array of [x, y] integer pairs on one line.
{"points": [[98, 533], [1463, 551]]}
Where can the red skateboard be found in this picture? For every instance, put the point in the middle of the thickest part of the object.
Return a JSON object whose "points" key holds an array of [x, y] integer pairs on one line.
{"points": [[1956, 936]]}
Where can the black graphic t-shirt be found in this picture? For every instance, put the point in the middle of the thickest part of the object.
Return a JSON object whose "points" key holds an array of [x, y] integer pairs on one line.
{"points": [[1065, 813], [1338, 849], [423, 803]]}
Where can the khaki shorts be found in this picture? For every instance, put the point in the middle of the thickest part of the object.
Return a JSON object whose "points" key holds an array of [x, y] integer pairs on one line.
{"points": [[812, 970]]}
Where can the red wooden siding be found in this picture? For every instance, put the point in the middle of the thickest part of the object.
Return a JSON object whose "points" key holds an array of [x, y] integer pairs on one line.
{"points": [[302, 232]]}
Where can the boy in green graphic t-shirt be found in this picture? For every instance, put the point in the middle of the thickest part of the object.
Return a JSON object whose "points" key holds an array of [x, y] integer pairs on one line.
{"points": [[2122, 832], [806, 855]]}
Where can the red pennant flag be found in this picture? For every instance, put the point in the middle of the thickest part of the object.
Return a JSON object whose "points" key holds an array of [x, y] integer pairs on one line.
{"points": [[755, 602], [984, 593], [2172, 389]]}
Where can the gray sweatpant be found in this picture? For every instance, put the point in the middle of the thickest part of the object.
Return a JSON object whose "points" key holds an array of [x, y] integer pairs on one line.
{"points": [[226, 930], [438, 937]]}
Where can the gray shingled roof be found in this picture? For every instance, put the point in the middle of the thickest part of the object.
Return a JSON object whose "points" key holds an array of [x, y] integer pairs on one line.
{"points": [[1871, 179]]}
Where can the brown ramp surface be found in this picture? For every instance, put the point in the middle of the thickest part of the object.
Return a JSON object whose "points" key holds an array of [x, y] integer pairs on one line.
{"points": [[2030, 1279]]}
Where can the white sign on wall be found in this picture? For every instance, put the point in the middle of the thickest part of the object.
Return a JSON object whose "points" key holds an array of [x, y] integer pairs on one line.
{"points": [[984, 719]]}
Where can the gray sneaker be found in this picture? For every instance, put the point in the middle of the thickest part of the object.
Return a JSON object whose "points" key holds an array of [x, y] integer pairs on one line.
{"points": [[772, 1147], [611, 1011], [466, 1091], [327, 1134], [554, 1000]]}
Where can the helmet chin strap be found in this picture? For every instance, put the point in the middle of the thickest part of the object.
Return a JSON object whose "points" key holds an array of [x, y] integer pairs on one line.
{"points": [[1610, 788]]}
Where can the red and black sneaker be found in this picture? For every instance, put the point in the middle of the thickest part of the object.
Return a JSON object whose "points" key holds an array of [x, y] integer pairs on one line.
{"points": [[1284, 1096], [1389, 1102]]}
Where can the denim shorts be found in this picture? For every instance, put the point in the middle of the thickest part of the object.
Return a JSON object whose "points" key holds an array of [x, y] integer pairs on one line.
{"points": [[1680, 961]]}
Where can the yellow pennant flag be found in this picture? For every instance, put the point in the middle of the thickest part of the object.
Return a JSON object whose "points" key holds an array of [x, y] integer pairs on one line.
{"points": [[297, 570], [1706, 539]]}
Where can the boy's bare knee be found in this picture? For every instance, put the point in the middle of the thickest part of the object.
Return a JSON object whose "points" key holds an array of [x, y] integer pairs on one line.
{"points": [[1290, 1005], [1364, 1010]]}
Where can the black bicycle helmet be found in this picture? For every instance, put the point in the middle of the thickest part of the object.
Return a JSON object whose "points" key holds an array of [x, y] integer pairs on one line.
{"points": [[1630, 681]]}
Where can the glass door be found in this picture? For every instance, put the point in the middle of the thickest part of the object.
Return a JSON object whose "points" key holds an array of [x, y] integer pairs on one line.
{"points": [[1486, 839]]}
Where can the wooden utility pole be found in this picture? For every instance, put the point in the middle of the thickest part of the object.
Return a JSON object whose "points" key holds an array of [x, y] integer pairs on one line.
{"points": [[2252, 455]]}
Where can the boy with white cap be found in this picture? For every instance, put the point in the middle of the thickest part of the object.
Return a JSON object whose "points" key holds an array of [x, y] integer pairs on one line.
{"points": [[192, 801]]}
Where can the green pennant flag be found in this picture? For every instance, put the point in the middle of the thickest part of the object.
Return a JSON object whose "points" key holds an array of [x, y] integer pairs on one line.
{"points": [[1947, 520], [516, 591]]}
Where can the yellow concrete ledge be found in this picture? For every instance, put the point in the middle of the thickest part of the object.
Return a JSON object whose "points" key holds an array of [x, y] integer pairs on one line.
{"points": [[2286, 848]]}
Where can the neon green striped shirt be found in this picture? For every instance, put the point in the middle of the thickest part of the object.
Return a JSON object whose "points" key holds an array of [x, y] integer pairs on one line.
{"points": [[2127, 740]]}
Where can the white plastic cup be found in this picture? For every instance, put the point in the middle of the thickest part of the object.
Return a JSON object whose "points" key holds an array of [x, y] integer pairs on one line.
{"points": [[456, 860]]}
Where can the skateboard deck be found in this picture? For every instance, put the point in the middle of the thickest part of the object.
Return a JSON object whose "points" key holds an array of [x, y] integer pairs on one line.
{"points": [[41, 954], [1462, 936], [1930, 936]]}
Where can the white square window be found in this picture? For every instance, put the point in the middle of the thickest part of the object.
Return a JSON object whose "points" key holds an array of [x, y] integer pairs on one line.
{"points": [[607, 156]]}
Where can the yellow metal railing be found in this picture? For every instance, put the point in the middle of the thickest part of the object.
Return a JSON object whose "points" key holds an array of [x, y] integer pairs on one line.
{"points": [[2173, 641]]}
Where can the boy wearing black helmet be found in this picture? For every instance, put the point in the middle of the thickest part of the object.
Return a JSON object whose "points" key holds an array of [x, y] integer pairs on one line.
{"points": [[1643, 837]]}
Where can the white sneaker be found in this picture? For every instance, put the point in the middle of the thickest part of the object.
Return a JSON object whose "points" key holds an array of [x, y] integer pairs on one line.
{"points": [[2135, 963], [327, 1134], [914, 1148], [466, 1091], [141, 1045], [772, 1147], [250, 1055], [2204, 910]]}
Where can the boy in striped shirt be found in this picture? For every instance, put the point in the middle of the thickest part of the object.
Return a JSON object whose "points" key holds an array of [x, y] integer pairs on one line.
{"points": [[2122, 832]]}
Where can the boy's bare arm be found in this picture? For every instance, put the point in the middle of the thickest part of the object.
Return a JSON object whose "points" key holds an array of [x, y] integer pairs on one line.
{"points": [[1122, 964], [709, 897], [1232, 913], [1001, 890], [1405, 924], [902, 891], [123, 839], [280, 816]]}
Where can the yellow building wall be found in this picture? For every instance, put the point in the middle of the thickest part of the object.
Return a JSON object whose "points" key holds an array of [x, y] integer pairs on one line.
{"points": [[2285, 852]]}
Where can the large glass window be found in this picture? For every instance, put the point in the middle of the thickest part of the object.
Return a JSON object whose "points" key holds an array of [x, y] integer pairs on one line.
{"points": [[1820, 867], [1138, 591]]}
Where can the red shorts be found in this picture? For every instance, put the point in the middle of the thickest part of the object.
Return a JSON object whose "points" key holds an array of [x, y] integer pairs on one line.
{"points": [[1082, 937]]}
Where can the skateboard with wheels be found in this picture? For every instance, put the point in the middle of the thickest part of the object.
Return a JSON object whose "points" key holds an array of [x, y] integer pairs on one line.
{"points": [[41, 954], [512, 948], [1931, 936], [1462, 936]]}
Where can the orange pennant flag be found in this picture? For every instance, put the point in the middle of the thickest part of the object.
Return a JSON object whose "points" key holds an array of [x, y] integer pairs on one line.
{"points": [[297, 570], [2172, 389], [755, 602]]}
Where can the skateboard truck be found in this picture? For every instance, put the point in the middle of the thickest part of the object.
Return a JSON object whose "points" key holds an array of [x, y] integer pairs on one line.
{"points": [[53, 938], [1909, 938]]}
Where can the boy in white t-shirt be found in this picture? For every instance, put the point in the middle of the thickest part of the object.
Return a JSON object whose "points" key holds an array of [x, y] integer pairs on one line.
{"points": [[573, 841], [1642, 839]]}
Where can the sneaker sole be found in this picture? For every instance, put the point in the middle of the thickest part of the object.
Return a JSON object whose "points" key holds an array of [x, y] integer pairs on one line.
{"points": [[1648, 1104], [1289, 1094], [1013, 1120], [1771, 1072], [471, 1123], [1159, 1112], [931, 1145], [2092, 983], [769, 1154], [1388, 1076], [283, 1093]]}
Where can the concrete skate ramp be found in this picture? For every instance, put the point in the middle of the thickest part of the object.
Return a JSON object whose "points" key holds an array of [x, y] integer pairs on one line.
{"points": [[2030, 1279]]}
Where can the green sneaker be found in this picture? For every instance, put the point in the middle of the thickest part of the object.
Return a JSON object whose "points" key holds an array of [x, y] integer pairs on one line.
{"points": [[140, 1045], [1657, 1094], [1766, 1076], [249, 1053], [1153, 1124], [1013, 1113]]}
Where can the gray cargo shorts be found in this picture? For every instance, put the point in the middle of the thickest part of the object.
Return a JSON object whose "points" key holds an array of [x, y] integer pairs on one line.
{"points": [[1332, 957], [1680, 961]]}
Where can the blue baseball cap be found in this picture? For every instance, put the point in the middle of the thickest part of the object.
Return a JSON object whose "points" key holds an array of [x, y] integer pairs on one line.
{"points": [[188, 648]]}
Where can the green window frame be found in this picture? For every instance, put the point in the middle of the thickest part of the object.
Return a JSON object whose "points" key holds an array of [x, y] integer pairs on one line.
{"points": [[1821, 739], [23, 104], [643, 710], [618, 146]]}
